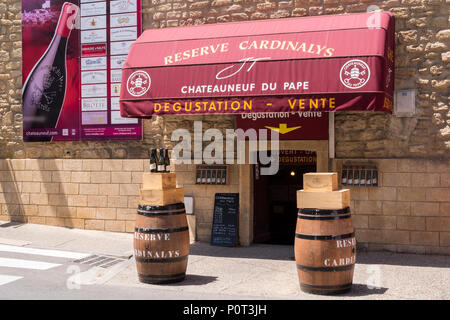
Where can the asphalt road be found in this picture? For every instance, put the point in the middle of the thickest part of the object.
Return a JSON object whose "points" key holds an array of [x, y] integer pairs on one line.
{"points": [[42, 274]]}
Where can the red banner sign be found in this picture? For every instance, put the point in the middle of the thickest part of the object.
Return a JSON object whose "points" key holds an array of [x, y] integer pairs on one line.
{"points": [[330, 63], [307, 125]]}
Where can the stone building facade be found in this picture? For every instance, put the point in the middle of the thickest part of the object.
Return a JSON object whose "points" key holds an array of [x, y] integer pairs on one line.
{"points": [[95, 185]]}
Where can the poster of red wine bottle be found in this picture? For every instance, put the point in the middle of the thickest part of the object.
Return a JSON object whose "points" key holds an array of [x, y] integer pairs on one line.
{"points": [[71, 69]]}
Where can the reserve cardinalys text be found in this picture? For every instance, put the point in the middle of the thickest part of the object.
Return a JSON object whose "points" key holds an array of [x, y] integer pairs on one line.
{"points": [[284, 45]]}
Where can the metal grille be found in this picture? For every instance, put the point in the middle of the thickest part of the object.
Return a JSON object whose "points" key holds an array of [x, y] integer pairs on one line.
{"points": [[100, 261]]}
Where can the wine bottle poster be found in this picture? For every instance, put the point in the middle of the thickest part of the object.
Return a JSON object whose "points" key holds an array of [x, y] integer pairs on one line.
{"points": [[71, 69]]}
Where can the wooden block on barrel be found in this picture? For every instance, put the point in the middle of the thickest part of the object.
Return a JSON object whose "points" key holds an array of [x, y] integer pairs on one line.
{"points": [[159, 180], [161, 197], [320, 181], [324, 200]]}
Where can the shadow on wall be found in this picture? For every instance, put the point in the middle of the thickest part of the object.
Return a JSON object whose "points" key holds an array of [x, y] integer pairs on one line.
{"points": [[34, 195], [11, 202]]}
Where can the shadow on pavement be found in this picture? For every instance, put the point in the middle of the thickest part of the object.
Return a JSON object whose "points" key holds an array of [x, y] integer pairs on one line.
{"points": [[11, 224], [286, 252], [194, 279], [403, 259], [361, 290], [255, 251]]}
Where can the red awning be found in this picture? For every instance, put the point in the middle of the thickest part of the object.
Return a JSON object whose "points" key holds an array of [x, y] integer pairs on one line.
{"points": [[322, 63]]}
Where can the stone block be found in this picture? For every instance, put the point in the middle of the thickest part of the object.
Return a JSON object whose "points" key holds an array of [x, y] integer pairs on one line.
{"points": [[100, 177], [382, 222], [411, 223], [425, 179], [94, 224], [368, 207], [425, 209], [89, 188], [115, 226], [131, 189], [106, 213], [121, 177], [396, 179], [80, 177], [396, 208], [411, 194], [438, 194], [438, 223], [382, 193], [425, 238]]}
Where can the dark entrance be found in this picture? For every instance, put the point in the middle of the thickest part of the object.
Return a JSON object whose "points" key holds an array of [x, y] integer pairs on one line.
{"points": [[275, 203]]}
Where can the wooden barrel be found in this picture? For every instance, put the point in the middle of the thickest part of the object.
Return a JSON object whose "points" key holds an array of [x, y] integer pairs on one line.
{"points": [[325, 250], [161, 243]]}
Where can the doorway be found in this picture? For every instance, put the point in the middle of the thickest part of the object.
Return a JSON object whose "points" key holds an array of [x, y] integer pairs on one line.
{"points": [[275, 201]]}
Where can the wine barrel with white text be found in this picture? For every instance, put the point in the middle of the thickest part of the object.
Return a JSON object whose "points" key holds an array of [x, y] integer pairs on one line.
{"points": [[325, 250], [161, 243]]}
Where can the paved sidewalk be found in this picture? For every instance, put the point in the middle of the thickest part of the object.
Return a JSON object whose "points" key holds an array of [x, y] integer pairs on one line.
{"points": [[265, 271]]}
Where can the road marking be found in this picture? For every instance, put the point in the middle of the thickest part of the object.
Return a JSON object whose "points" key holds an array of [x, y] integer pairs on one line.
{"points": [[26, 264], [44, 252], [4, 279]]}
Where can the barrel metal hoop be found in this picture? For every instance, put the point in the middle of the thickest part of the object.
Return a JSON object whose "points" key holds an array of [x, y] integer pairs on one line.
{"points": [[324, 218], [161, 213], [168, 207], [169, 230], [310, 286], [330, 237], [323, 212], [159, 260], [161, 276], [326, 269]]}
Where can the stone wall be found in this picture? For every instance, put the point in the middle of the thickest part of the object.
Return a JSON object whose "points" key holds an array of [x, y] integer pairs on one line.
{"points": [[422, 59], [82, 194], [410, 209]]}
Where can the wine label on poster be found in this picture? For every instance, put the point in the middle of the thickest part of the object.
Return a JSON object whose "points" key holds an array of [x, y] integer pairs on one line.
{"points": [[93, 9], [121, 6], [94, 104], [117, 61], [117, 119], [123, 20], [115, 89], [121, 47], [93, 50], [93, 118], [93, 63], [88, 77], [94, 90], [96, 22], [115, 103], [127, 33], [92, 36], [116, 75]]}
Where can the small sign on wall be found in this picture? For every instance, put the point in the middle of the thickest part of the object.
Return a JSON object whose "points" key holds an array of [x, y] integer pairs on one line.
{"points": [[405, 103]]}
